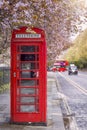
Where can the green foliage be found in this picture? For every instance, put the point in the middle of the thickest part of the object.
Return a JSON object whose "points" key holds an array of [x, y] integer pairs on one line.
{"points": [[4, 87], [78, 52]]}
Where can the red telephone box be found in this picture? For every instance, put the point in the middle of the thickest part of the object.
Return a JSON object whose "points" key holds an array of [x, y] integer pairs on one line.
{"points": [[28, 76]]}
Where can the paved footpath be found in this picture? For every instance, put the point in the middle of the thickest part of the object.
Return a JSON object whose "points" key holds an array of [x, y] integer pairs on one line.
{"points": [[54, 114]]}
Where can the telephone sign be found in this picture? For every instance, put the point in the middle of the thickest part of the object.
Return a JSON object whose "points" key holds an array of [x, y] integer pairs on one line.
{"points": [[28, 35]]}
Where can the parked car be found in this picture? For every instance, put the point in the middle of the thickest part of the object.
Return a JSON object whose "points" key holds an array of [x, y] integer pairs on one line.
{"points": [[72, 70]]}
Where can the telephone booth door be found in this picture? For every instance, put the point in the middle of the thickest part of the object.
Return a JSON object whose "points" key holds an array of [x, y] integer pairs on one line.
{"points": [[27, 92]]}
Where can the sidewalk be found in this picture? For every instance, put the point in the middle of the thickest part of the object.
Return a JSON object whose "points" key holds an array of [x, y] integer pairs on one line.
{"points": [[54, 110], [54, 114]]}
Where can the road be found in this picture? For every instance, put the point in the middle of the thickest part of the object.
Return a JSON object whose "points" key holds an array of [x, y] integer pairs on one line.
{"points": [[74, 88]]}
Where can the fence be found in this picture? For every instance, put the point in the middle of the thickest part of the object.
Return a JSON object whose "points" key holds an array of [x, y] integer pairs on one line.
{"points": [[4, 78]]}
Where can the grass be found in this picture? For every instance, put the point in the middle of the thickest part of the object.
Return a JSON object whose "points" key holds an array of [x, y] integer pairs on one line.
{"points": [[4, 87]]}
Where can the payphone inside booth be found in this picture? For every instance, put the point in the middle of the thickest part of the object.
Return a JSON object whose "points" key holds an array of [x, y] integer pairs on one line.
{"points": [[28, 76]]}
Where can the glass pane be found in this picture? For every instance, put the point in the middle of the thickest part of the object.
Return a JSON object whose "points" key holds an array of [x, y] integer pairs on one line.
{"points": [[29, 49], [29, 57], [28, 91], [27, 108], [28, 66], [28, 82], [25, 66], [27, 74], [27, 100]]}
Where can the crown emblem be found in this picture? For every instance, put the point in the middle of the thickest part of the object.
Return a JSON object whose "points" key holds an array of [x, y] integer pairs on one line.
{"points": [[29, 30]]}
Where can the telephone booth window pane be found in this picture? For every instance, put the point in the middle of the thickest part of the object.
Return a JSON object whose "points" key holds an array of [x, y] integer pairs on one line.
{"points": [[29, 57], [28, 82], [29, 74], [29, 91], [25, 74], [27, 108], [32, 48], [27, 48], [25, 66], [28, 66], [27, 100]]}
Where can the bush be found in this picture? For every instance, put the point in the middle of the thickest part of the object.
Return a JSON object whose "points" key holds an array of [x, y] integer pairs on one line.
{"points": [[4, 87]]}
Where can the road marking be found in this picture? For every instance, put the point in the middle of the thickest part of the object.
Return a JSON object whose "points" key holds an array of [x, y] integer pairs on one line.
{"points": [[80, 88], [56, 114]]}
